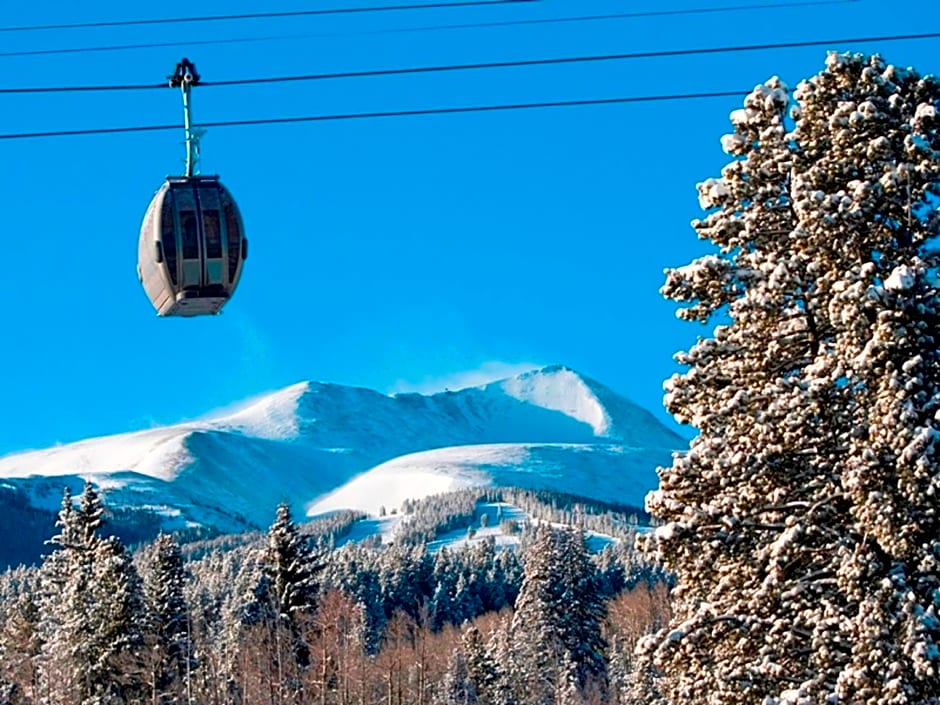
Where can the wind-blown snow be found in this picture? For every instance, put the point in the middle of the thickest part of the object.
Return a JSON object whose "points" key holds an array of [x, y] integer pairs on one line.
{"points": [[560, 389], [273, 416], [603, 472], [321, 445], [155, 452]]}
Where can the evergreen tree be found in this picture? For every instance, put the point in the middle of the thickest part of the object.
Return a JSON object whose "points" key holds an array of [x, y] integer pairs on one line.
{"points": [[509, 572], [290, 568], [803, 521], [617, 670], [456, 687], [284, 601], [20, 649], [91, 512], [352, 572], [66, 522], [558, 616], [466, 603], [113, 625], [169, 621], [445, 586], [404, 575], [91, 612], [482, 672], [499, 652]]}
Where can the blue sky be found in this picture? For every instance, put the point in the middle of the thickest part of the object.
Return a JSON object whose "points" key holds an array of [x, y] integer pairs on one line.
{"points": [[396, 253]]}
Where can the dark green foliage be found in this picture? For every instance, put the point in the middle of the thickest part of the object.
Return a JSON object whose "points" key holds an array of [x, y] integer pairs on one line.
{"points": [[26, 544], [291, 569], [168, 624], [132, 526], [482, 670], [438, 514], [558, 616]]}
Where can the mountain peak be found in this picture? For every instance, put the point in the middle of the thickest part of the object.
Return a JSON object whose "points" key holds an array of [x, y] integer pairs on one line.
{"points": [[560, 388], [553, 369], [309, 439], [272, 415]]}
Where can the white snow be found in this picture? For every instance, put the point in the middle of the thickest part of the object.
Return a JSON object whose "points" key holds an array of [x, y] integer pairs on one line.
{"points": [[155, 452], [273, 416], [732, 143], [605, 472], [560, 389], [901, 279], [739, 117], [459, 538], [666, 531], [323, 446], [710, 193], [389, 485], [387, 528]]}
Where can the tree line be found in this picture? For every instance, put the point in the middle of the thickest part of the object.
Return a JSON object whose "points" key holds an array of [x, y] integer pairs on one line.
{"points": [[285, 617]]}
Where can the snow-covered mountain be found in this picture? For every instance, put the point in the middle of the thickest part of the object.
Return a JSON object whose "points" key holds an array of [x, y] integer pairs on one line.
{"points": [[326, 446]]}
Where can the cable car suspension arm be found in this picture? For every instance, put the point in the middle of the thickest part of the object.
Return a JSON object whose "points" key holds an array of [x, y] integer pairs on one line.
{"points": [[184, 78]]}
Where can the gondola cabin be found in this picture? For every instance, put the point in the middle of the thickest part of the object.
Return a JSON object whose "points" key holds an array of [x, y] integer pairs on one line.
{"points": [[192, 247]]}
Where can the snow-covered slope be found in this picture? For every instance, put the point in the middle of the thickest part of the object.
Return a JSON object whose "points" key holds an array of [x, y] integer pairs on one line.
{"points": [[599, 471], [318, 445]]}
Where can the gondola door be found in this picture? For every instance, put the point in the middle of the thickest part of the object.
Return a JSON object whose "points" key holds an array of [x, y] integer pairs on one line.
{"points": [[187, 211], [210, 209]]}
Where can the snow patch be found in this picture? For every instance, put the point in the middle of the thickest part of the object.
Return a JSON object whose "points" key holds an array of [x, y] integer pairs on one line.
{"points": [[901, 279], [608, 473], [560, 389]]}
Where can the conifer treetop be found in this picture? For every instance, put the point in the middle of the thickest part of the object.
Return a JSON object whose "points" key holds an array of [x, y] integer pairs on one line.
{"points": [[802, 523]]}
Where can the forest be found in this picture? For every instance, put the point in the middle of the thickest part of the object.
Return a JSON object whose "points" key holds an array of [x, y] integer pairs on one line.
{"points": [[299, 615]]}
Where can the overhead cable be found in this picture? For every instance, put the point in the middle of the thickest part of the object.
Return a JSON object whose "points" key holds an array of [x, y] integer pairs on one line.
{"points": [[384, 114], [430, 28], [553, 61], [264, 15]]}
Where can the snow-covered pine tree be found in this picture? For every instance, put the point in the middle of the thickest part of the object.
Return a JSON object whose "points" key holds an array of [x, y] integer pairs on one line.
{"points": [[499, 652], [803, 521], [66, 522], [284, 601], [508, 572], [20, 648], [91, 612], [585, 609], [91, 511], [441, 606], [351, 571], [169, 631], [481, 669], [467, 603], [291, 569], [112, 626], [455, 687], [558, 616]]}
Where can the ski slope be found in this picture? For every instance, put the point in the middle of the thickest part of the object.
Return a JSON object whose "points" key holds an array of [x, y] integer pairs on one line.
{"points": [[322, 446]]}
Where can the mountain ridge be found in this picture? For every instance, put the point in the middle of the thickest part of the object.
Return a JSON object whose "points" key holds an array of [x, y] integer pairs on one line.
{"points": [[307, 441]]}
